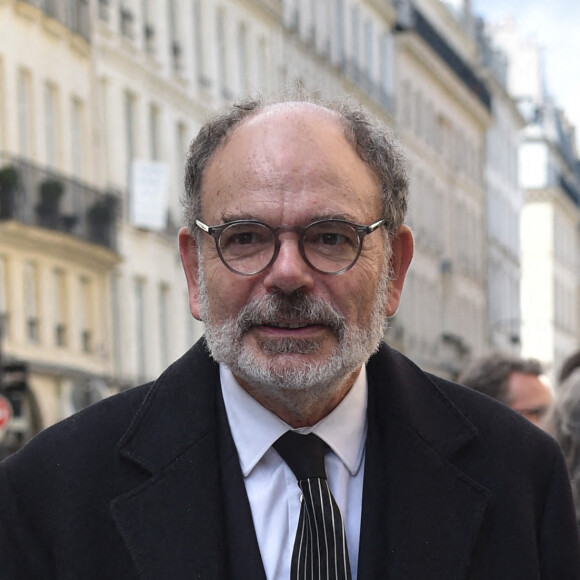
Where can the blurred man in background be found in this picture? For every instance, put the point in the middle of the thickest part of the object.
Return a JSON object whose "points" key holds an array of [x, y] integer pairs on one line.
{"points": [[514, 381]]}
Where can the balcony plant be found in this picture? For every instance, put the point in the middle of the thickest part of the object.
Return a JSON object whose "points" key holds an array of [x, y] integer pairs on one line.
{"points": [[9, 181], [48, 209], [100, 218]]}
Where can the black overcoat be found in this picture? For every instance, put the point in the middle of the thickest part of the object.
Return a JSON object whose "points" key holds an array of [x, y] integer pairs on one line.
{"points": [[147, 484]]}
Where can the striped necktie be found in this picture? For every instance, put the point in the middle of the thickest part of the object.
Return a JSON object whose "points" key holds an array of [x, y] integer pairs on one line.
{"points": [[320, 551]]}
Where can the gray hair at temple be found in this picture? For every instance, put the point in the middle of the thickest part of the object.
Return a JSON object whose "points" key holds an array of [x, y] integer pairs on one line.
{"points": [[490, 375], [372, 139], [563, 423]]}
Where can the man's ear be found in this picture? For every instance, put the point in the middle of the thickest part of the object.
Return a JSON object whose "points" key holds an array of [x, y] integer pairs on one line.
{"points": [[190, 262], [402, 246]]}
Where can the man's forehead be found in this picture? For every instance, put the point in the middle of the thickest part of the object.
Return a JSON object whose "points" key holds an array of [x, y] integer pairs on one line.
{"points": [[291, 111]]}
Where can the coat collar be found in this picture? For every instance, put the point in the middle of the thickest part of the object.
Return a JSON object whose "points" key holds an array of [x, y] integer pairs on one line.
{"points": [[421, 514], [172, 522]]}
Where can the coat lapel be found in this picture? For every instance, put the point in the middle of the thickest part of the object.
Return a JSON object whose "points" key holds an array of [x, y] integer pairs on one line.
{"points": [[173, 520], [421, 514], [244, 558]]}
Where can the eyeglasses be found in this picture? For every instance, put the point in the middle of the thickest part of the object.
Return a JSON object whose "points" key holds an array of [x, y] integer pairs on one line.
{"points": [[248, 247]]}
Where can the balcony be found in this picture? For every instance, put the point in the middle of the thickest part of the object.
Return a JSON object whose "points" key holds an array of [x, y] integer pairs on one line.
{"points": [[571, 191], [74, 15], [415, 21], [38, 197]]}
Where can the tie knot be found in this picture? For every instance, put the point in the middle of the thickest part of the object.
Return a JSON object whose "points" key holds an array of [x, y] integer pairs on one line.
{"points": [[304, 454]]}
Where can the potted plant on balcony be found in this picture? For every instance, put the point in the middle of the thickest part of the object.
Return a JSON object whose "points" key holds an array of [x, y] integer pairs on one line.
{"points": [[9, 180], [100, 217], [48, 209]]}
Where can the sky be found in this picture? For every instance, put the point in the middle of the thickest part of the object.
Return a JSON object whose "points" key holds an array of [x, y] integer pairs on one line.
{"points": [[556, 25]]}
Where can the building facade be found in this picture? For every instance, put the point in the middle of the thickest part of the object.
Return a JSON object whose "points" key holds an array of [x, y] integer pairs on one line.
{"points": [[99, 100], [443, 114], [550, 220], [504, 203]]}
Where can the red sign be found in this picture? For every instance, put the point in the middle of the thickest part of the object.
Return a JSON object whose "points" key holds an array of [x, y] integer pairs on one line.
{"points": [[5, 412]]}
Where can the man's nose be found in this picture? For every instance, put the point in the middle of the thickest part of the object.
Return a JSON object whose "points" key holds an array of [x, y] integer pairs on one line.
{"points": [[289, 272]]}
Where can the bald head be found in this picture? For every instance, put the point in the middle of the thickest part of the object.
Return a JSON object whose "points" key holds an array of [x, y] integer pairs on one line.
{"points": [[372, 141]]}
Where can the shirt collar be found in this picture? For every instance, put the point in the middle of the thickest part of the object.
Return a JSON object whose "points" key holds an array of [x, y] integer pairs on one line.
{"points": [[255, 428]]}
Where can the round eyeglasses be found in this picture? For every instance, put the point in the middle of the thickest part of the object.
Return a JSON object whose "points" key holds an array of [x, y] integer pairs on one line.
{"points": [[248, 247]]}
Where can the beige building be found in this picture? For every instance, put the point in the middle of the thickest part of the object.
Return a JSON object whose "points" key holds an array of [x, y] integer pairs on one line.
{"points": [[550, 221], [99, 100], [103, 97], [443, 113], [58, 241]]}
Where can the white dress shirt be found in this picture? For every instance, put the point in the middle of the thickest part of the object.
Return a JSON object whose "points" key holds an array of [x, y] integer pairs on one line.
{"points": [[272, 487]]}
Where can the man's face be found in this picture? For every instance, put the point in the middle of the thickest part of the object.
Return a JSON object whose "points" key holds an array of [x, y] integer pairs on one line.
{"points": [[529, 396], [290, 328]]}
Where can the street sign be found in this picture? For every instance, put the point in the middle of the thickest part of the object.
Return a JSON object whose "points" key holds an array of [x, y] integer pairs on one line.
{"points": [[5, 412]]}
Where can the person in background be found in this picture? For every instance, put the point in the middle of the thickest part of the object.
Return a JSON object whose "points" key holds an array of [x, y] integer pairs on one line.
{"points": [[514, 381], [563, 422], [291, 439], [569, 365]]}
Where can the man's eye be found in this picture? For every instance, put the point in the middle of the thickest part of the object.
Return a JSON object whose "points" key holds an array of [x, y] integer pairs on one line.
{"points": [[243, 238], [251, 237], [332, 239]]}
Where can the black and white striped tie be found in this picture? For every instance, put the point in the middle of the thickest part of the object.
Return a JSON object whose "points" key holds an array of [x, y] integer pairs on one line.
{"points": [[320, 551]]}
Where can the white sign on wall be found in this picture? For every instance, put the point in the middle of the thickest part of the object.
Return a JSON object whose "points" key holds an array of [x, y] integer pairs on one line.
{"points": [[149, 183]]}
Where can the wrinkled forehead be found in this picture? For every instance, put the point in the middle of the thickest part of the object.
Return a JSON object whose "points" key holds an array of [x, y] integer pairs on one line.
{"points": [[304, 118], [288, 151]]}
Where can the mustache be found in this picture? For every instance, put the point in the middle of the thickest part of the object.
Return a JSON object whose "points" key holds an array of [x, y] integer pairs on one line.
{"points": [[295, 308]]}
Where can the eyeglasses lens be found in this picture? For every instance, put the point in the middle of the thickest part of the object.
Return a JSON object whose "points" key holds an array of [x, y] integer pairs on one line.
{"points": [[247, 247], [329, 246]]}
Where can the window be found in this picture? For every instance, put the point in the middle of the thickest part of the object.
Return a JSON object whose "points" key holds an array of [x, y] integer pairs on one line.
{"points": [[139, 297], [222, 53], [199, 45], [78, 18], [85, 314], [78, 137], [154, 132], [369, 49], [262, 68], [51, 124], [164, 323], [385, 68], [129, 132], [148, 26], [243, 56], [339, 32], [174, 36], [355, 39], [24, 113], [126, 18], [59, 307], [117, 311], [104, 10], [31, 302], [181, 143], [406, 104]]}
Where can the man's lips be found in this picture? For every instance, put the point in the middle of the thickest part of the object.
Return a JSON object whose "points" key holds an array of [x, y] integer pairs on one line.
{"points": [[294, 328], [291, 325]]}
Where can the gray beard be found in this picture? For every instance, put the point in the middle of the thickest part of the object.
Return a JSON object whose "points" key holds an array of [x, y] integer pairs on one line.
{"points": [[279, 373]]}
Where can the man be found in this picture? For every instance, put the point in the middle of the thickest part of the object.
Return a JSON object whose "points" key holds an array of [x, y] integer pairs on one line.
{"points": [[184, 478], [514, 381]]}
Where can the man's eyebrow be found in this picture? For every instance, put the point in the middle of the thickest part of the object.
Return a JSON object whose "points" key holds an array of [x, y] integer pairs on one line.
{"points": [[230, 217]]}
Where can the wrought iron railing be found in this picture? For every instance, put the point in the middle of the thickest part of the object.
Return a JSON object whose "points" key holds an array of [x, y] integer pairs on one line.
{"points": [[37, 196], [74, 14], [461, 69]]}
